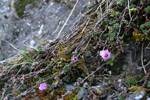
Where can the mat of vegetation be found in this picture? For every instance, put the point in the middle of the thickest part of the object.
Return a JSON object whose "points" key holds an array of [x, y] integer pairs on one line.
{"points": [[105, 56]]}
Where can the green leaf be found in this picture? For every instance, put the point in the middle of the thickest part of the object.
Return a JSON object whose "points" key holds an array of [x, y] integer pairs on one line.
{"points": [[142, 26], [116, 26], [126, 22], [122, 2], [106, 20], [89, 6], [20, 96], [112, 44], [95, 33], [48, 70], [16, 70], [24, 86], [113, 34], [132, 6], [128, 81], [67, 79], [83, 74], [54, 67], [110, 61], [132, 81], [40, 49], [141, 3], [117, 13], [147, 9], [30, 74], [120, 98], [41, 79], [121, 37], [148, 84], [148, 1], [144, 31], [148, 25], [121, 42], [8, 96], [114, 21], [29, 58], [66, 68], [105, 35], [112, 58], [111, 38]]}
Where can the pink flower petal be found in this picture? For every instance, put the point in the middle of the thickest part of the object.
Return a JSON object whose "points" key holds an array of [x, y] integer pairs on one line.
{"points": [[43, 86], [75, 59], [105, 54], [31, 50], [102, 53]]}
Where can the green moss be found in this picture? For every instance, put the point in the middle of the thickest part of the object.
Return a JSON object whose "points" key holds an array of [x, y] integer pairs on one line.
{"points": [[21, 4], [132, 81], [72, 96]]}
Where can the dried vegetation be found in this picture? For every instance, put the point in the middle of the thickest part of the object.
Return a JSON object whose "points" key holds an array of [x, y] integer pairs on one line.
{"points": [[112, 25]]}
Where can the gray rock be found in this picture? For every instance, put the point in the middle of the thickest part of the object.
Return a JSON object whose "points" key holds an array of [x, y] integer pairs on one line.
{"points": [[100, 87], [69, 87], [86, 85], [148, 98], [85, 98], [41, 21], [121, 85], [138, 96], [83, 93], [88, 54]]}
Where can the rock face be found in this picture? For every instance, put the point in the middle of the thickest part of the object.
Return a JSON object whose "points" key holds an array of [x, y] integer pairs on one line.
{"points": [[25, 22], [83, 93], [138, 96]]}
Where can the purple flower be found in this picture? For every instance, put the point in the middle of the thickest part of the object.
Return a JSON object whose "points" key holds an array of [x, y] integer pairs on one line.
{"points": [[31, 50], [43, 86], [75, 59], [105, 54]]}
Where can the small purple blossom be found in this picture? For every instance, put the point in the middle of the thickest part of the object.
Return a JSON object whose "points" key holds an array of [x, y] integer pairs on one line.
{"points": [[105, 54], [31, 50], [43, 86], [75, 59]]}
